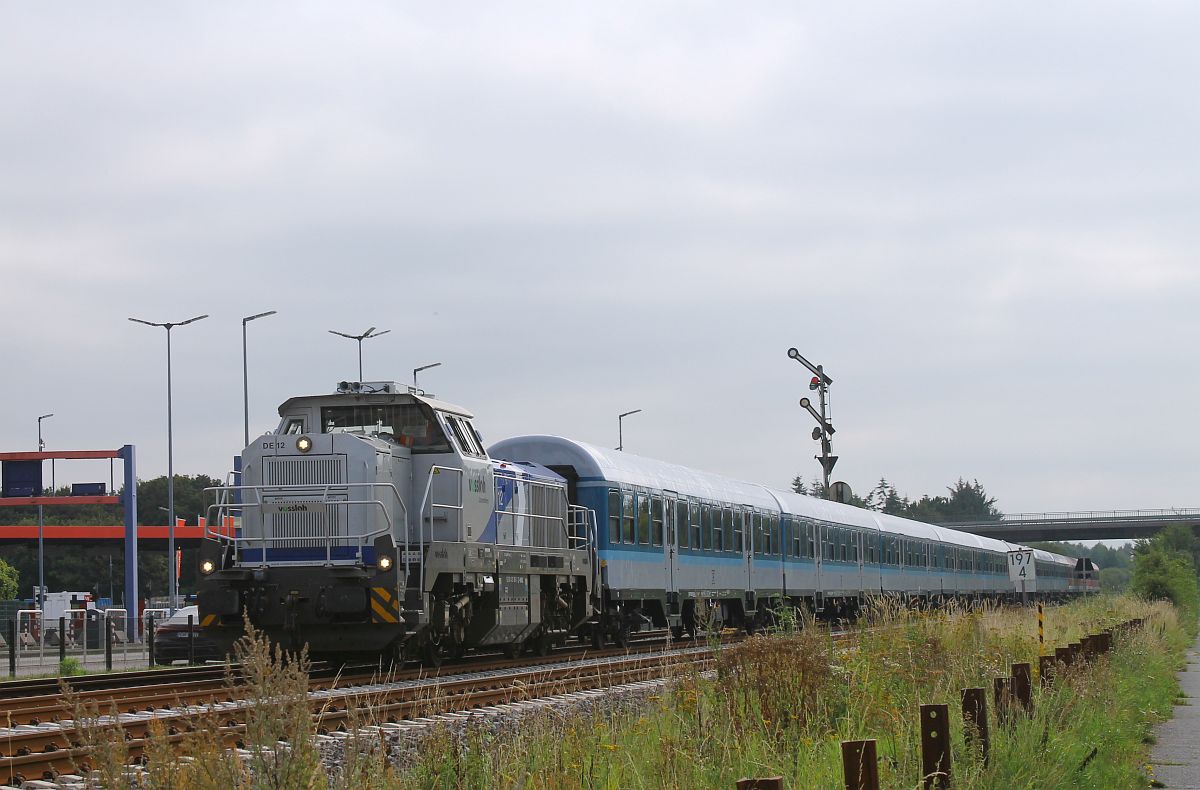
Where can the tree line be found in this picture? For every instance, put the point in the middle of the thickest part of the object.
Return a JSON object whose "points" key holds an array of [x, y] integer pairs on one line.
{"points": [[963, 501]]}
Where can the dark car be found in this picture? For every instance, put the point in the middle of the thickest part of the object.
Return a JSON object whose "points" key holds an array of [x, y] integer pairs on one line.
{"points": [[171, 639]]}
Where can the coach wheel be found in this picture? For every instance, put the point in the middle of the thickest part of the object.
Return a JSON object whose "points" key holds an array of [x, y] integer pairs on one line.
{"points": [[598, 637], [541, 645], [677, 632], [511, 649]]}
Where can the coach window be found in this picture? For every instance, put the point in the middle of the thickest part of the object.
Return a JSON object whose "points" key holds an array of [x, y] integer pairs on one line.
{"points": [[683, 534], [694, 524], [643, 518], [627, 535], [656, 520], [727, 529], [776, 537], [739, 528], [614, 516]]}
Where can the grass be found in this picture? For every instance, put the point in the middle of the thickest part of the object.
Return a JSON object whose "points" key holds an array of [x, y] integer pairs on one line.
{"points": [[776, 706]]}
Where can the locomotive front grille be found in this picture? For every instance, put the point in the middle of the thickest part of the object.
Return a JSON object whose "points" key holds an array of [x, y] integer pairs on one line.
{"points": [[301, 470], [325, 520]]}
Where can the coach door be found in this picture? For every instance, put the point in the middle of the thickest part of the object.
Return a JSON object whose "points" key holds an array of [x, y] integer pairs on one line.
{"points": [[859, 547], [818, 533], [671, 540]]}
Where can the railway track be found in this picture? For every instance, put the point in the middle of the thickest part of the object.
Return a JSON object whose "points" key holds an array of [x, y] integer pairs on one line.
{"points": [[39, 740]]}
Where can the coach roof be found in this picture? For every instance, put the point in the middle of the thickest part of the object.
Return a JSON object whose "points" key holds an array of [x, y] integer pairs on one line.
{"points": [[594, 463]]}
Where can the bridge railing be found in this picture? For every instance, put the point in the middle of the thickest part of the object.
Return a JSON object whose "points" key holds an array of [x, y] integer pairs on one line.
{"points": [[1164, 515]]}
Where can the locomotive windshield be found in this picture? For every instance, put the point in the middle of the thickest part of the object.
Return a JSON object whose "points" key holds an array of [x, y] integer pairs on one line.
{"points": [[412, 425]]}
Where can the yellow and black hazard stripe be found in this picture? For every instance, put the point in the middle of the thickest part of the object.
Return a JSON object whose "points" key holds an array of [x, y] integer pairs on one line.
{"points": [[208, 620], [385, 606]]}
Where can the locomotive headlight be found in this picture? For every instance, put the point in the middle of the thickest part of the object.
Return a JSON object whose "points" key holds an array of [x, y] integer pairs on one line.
{"points": [[304, 444], [385, 563], [207, 567]]}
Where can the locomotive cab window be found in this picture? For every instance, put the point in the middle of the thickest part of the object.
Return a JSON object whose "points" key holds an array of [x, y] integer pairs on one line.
{"points": [[465, 436], [294, 425], [412, 425]]}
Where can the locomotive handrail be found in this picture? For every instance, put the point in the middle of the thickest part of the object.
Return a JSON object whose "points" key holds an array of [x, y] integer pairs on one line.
{"points": [[433, 470], [258, 490]]}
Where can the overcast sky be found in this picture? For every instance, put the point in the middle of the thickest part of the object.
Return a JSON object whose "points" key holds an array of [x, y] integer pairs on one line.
{"points": [[981, 218]]}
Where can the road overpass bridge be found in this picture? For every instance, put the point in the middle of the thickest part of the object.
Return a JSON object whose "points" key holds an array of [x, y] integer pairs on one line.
{"points": [[1081, 525]]}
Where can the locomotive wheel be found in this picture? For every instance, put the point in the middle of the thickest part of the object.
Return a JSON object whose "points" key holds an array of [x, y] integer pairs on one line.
{"points": [[621, 636], [433, 653], [511, 649], [677, 632], [598, 637], [541, 645]]}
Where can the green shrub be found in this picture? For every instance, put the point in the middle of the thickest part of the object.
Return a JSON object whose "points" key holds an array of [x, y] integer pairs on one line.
{"points": [[69, 667], [1162, 574]]}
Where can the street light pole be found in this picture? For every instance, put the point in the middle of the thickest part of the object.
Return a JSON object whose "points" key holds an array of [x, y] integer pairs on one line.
{"points": [[370, 333], [172, 570], [423, 367], [246, 373], [621, 428], [41, 529]]}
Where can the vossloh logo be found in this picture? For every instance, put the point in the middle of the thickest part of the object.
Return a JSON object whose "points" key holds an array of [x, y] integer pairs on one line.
{"points": [[294, 507]]}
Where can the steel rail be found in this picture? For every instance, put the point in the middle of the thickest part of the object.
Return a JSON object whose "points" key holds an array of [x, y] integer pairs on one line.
{"points": [[47, 750]]}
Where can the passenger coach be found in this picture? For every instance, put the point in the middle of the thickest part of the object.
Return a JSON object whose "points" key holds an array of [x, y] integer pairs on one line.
{"points": [[687, 549]]}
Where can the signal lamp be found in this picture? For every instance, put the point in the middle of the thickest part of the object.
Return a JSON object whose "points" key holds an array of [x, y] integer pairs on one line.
{"points": [[815, 383]]}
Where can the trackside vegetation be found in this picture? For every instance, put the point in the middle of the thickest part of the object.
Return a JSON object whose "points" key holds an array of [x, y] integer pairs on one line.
{"points": [[775, 705]]}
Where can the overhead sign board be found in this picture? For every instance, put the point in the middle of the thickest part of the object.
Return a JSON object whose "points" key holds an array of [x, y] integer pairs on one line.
{"points": [[1021, 567]]}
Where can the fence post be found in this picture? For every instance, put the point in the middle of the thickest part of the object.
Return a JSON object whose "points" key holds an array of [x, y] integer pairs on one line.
{"points": [[935, 746], [107, 645], [12, 648], [1002, 696], [768, 783], [1022, 685], [974, 709], [1063, 656], [1041, 627], [860, 765], [62, 638], [149, 621], [1046, 670], [191, 641]]}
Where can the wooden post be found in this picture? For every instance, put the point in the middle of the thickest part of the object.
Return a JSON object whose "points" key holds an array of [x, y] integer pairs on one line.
{"points": [[1063, 656], [1002, 695], [1022, 685], [1046, 670], [935, 746], [860, 765], [974, 708]]}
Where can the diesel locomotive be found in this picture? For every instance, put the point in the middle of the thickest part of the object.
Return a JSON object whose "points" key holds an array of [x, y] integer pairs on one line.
{"points": [[373, 522]]}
